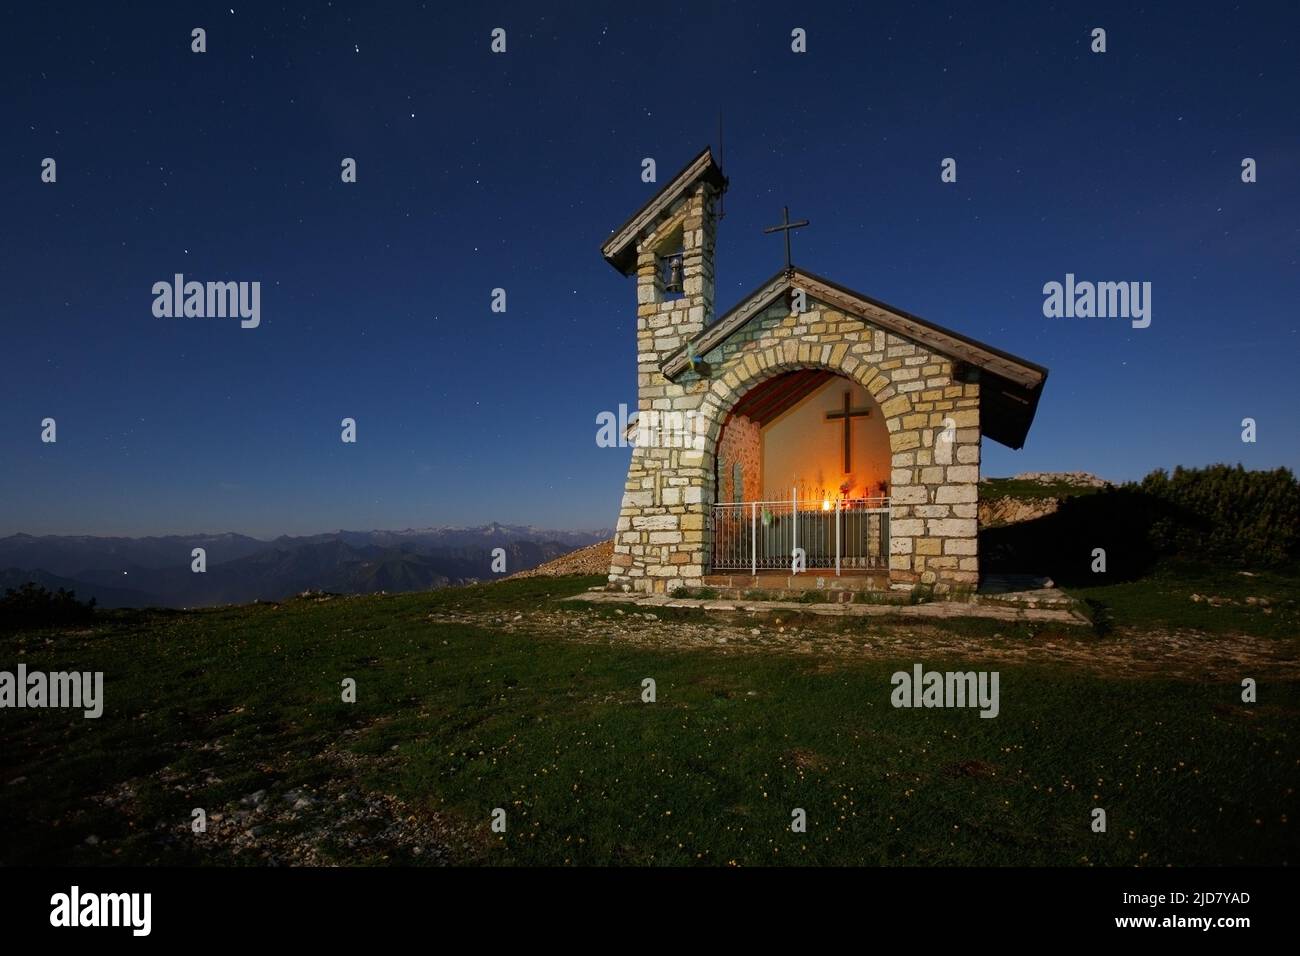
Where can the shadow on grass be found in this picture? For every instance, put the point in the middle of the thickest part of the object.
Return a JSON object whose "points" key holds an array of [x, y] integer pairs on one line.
{"points": [[1062, 544]]}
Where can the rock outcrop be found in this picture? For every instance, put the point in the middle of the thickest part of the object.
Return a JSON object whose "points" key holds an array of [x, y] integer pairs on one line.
{"points": [[593, 559], [1009, 510], [1079, 479]]}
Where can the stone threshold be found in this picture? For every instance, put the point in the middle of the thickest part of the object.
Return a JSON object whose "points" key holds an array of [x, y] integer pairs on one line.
{"points": [[988, 610], [817, 580]]}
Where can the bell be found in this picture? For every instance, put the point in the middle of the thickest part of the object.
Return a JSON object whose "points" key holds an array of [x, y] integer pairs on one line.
{"points": [[673, 280]]}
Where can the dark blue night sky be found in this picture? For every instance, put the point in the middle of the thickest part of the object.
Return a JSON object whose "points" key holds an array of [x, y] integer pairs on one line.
{"points": [[478, 171]]}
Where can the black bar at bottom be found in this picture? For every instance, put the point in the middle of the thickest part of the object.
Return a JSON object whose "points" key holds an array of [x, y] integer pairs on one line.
{"points": [[980, 906]]}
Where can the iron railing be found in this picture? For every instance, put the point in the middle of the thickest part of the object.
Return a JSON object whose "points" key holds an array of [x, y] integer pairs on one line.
{"points": [[847, 535]]}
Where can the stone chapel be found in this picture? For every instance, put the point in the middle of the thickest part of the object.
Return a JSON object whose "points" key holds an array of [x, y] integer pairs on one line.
{"points": [[809, 432]]}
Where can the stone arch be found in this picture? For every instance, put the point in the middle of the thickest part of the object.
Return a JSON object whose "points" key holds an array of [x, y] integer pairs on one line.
{"points": [[725, 392], [750, 369]]}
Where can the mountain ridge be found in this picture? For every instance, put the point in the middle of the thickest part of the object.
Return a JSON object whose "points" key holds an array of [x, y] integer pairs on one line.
{"points": [[156, 570]]}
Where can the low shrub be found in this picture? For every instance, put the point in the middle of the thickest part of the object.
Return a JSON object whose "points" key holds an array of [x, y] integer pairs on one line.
{"points": [[1226, 513], [32, 606]]}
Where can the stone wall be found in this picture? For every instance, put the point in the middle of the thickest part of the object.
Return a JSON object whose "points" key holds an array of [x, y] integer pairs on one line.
{"points": [[659, 540], [741, 444]]}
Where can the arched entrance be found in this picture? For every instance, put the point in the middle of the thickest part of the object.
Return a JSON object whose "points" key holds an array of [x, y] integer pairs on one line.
{"points": [[802, 462]]}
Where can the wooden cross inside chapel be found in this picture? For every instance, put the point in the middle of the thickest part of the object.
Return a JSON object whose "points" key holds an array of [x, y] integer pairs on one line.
{"points": [[847, 417]]}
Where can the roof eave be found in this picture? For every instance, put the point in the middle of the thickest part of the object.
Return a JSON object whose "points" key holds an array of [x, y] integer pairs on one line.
{"points": [[1010, 385], [619, 250]]}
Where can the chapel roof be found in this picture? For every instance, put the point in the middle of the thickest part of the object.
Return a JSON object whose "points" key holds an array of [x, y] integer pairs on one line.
{"points": [[619, 249], [1010, 385]]}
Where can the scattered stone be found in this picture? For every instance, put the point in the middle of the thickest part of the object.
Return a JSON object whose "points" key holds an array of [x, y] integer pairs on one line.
{"points": [[593, 559], [1011, 510], [1078, 479]]}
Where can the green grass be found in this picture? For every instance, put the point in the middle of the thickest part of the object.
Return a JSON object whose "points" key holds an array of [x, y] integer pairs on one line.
{"points": [[698, 594], [1164, 599], [555, 732]]}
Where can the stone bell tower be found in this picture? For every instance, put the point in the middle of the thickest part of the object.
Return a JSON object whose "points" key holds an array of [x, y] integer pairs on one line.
{"points": [[668, 244]]}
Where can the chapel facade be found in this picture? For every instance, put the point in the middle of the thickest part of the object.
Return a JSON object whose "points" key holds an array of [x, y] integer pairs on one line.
{"points": [[808, 429]]}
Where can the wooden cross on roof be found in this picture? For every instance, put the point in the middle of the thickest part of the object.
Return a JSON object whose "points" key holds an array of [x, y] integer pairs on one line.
{"points": [[786, 226]]}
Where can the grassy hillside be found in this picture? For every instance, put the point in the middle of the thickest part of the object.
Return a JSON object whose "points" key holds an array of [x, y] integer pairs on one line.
{"points": [[1202, 598], [474, 699]]}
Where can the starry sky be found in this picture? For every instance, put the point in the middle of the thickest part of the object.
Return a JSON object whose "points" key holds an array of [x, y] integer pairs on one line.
{"points": [[478, 171]]}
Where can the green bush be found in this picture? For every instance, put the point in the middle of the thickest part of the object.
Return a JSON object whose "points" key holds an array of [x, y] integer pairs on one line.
{"points": [[32, 606], [1226, 513], [1220, 515], [921, 594]]}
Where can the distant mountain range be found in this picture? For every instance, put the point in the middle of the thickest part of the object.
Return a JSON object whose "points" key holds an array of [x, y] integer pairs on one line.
{"points": [[155, 571]]}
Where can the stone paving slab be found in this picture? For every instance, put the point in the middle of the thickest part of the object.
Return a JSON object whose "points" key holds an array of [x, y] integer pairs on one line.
{"points": [[1040, 598], [930, 611]]}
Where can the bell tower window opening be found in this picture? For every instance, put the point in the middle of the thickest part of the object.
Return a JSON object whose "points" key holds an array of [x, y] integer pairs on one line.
{"points": [[672, 274]]}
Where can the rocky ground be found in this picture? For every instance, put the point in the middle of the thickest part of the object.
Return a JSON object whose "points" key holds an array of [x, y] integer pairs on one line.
{"points": [[334, 822], [1079, 479], [1011, 510], [1123, 653], [593, 559]]}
